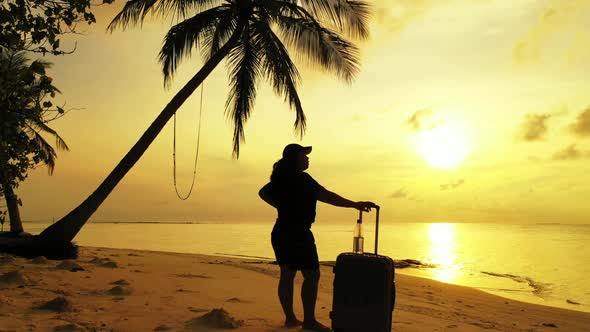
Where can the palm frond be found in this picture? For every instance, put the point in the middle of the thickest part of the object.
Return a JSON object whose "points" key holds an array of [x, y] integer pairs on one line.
{"points": [[350, 16], [13, 60], [281, 71], [211, 43], [180, 9], [244, 61], [45, 151], [59, 142], [181, 38], [321, 46], [133, 12], [38, 66]]}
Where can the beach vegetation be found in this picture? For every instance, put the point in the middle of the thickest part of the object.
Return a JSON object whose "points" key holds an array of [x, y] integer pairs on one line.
{"points": [[26, 108], [39, 25]]}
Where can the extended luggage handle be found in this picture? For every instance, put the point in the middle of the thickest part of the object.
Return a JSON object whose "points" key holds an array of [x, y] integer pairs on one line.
{"points": [[360, 221]]}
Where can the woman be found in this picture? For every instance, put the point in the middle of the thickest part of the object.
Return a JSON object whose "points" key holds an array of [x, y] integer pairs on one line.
{"points": [[294, 194]]}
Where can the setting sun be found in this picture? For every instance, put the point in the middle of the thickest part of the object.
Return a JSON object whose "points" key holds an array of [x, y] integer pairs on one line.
{"points": [[443, 146]]}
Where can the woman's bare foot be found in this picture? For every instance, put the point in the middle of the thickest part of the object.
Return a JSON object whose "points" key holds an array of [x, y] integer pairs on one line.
{"points": [[316, 326], [292, 322]]}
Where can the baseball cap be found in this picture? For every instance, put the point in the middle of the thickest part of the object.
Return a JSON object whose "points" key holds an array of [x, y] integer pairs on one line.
{"points": [[292, 150]]}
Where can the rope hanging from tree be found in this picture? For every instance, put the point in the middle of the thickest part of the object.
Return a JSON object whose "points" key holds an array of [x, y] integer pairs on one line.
{"points": [[196, 153]]}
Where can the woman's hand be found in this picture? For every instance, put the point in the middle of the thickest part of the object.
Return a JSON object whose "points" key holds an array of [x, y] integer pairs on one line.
{"points": [[365, 206]]}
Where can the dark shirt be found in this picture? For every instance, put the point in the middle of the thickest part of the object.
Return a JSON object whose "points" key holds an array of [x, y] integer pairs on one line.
{"points": [[295, 197]]}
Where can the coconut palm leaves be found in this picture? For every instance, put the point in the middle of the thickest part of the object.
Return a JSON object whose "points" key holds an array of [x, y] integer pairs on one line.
{"points": [[24, 98], [25, 91], [262, 29]]}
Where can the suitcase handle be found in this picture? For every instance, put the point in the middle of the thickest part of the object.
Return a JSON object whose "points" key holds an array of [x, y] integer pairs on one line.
{"points": [[360, 221]]}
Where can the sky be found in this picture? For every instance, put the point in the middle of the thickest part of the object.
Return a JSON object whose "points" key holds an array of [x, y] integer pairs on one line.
{"points": [[463, 111]]}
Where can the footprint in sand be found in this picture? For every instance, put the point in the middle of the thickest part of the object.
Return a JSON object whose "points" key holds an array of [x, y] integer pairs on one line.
{"points": [[120, 290], [190, 275], [58, 304], [7, 259], [120, 282], [104, 262], [13, 278], [182, 290], [236, 300], [40, 260], [216, 318], [69, 328], [69, 265]]}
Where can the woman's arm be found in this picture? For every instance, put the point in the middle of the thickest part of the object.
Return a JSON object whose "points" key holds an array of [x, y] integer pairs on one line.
{"points": [[264, 193], [332, 198]]}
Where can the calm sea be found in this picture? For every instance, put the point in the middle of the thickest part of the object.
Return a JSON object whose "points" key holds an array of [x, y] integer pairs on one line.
{"points": [[539, 263]]}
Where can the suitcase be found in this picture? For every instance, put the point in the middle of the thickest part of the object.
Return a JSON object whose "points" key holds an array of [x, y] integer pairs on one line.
{"points": [[364, 290]]}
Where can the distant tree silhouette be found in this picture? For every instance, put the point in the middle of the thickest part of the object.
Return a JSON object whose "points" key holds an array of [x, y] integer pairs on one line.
{"points": [[252, 35], [25, 109], [38, 25]]}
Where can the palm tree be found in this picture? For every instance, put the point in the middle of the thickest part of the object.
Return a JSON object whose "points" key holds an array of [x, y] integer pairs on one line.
{"points": [[23, 92], [252, 35]]}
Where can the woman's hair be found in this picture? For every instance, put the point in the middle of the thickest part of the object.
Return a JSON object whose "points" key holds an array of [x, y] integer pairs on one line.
{"points": [[282, 168]]}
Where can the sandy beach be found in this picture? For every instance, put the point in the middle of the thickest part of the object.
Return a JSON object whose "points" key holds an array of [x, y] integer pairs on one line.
{"points": [[131, 290]]}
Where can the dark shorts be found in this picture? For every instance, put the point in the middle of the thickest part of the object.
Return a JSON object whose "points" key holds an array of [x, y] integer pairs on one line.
{"points": [[295, 247]]}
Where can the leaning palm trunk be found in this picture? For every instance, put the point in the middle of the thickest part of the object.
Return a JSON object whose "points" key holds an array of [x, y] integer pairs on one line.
{"points": [[65, 229]]}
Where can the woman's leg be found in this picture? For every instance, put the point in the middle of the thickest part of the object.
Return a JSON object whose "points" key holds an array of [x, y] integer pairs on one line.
{"points": [[309, 294], [285, 291]]}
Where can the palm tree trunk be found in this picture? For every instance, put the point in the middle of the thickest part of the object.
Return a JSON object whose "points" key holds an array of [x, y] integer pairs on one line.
{"points": [[65, 229], [16, 225]]}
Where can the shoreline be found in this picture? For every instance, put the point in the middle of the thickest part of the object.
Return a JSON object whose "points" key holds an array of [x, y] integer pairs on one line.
{"points": [[411, 268], [141, 290], [469, 267]]}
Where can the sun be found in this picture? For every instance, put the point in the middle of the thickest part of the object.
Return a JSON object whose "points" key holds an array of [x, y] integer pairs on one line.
{"points": [[444, 146]]}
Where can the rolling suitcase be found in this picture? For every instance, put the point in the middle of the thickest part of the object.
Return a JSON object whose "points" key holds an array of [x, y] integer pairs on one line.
{"points": [[364, 290]]}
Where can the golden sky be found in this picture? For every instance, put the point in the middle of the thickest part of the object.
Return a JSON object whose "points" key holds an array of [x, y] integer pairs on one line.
{"points": [[503, 84]]}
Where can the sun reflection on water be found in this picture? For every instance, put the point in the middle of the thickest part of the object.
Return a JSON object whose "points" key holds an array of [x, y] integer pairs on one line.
{"points": [[442, 252]]}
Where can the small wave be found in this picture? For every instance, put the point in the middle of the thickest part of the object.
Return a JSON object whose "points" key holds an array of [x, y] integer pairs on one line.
{"points": [[413, 263], [538, 288]]}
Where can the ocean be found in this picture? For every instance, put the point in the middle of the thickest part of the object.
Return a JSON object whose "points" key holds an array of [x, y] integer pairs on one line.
{"points": [[546, 264]]}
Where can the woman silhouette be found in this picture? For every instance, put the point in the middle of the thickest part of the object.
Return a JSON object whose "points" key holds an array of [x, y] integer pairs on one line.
{"points": [[294, 194]]}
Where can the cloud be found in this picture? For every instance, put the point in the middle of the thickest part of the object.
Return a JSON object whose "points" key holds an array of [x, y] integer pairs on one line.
{"points": [[581, 127], [395, 16], [452, 185], [534, 127], [554, 21], [418, 119], [571, 153], [400, 193]]}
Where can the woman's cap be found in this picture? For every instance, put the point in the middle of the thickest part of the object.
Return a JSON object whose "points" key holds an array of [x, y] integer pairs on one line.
{"points": [[292, 150]]}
